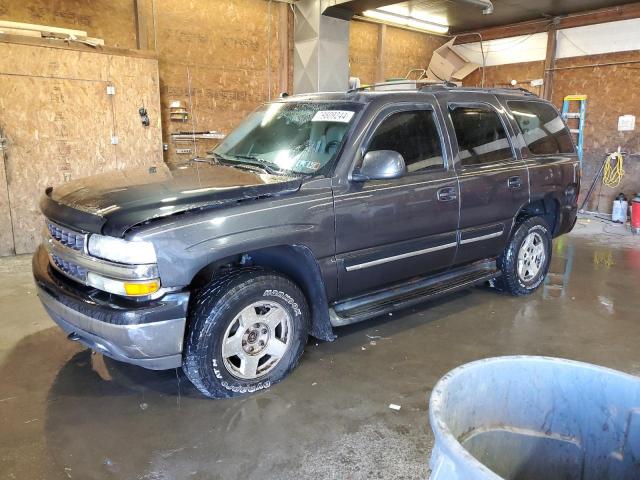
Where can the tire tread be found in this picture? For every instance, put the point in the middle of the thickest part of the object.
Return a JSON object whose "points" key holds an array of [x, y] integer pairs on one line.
{"points": [[206, 300], [507, 262]]}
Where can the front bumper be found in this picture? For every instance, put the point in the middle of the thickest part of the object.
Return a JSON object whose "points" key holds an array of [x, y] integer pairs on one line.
{"points": [[149, 334]]}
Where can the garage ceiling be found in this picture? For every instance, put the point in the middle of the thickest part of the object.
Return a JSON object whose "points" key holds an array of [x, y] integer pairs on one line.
{"points": [[462, 16]]}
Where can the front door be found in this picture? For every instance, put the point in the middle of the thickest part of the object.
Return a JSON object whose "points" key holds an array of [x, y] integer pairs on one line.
{"points": [[391, 230], [494, 181]]}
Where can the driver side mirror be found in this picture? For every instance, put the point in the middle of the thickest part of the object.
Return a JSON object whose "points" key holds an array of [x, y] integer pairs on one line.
{"points": [[380, 165]]}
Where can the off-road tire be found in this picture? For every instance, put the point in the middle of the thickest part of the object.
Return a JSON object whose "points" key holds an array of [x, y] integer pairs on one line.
{"points": [[510, 282], [215, 306]]}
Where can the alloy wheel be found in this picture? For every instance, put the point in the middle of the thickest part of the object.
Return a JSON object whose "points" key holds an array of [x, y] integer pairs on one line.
{"points": [[256, 340]]}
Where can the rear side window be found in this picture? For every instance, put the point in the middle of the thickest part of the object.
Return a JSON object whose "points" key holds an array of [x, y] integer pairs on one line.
{"points": [[414, 135], [543, 130], [480, 134]]}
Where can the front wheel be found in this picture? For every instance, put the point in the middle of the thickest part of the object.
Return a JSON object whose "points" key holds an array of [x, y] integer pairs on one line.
{"points": [[525, 261], [247, 331]]}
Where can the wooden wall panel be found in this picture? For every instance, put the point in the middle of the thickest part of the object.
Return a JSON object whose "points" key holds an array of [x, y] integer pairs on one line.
{"points": [[111, 20], [501, 76], [137, 84], [226, 46], [6, 229], [52, 137], [406, 50], [59, 121], [363, 51], [612, 90], [219, 59]]}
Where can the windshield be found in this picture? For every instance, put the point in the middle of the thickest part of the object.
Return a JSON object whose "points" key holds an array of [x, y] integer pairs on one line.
{"points": [[290, 137]]}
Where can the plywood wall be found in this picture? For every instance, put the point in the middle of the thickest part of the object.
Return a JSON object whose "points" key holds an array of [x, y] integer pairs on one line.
{"points": [[363, 51], [403, 50], [111, 20], [502, 75], [612, 90], [406, 50], [59, 123], [6, 229], [221, 59]]}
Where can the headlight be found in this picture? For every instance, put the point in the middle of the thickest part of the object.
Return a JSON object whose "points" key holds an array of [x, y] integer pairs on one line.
{"points": [[121, 251]]}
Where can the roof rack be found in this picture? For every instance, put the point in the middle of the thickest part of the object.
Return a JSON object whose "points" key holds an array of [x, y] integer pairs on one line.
{"points": [[412, 85], [427, 85]]}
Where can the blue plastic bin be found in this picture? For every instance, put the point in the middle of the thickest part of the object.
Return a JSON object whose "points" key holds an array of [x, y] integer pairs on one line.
{"points": [[526, 418]]}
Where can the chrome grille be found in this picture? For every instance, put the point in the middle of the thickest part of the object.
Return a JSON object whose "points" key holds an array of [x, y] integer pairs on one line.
{"points": [[67, 237], [69, 268]]}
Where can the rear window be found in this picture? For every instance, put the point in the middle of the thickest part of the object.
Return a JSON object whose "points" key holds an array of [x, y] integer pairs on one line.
{"points": [[480, 134], [543, 130]]}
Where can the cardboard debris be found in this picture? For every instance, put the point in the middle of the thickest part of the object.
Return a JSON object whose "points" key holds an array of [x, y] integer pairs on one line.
{"points": [[449, 65]]}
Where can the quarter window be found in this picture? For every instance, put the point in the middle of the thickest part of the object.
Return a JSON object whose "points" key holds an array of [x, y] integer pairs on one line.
{"points": [[543, 130], [481, 136], [414, 135]]}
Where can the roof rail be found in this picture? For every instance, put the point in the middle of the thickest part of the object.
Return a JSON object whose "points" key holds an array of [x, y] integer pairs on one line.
{"points": [[426, 85], [522, 90], [416, 84]]}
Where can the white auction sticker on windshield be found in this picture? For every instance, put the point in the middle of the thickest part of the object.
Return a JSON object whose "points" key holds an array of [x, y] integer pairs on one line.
{"points": [[343, 116]]}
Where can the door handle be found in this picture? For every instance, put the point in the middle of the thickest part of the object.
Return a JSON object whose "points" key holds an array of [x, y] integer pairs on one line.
{"points": [[447, 194], [514, 183]]}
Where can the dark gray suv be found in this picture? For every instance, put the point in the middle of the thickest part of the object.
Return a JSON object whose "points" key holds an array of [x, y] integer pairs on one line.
{"points": [[317, 211]]}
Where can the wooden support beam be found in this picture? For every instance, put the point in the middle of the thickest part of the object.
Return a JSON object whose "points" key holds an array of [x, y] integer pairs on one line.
{"points": [[140, 17], [382, 33], [44, 29], [591, 17], [550, 63]]}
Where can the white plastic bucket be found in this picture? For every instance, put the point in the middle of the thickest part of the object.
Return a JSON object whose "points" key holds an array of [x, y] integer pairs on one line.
{"points": [[525, 418], [619, 211]]}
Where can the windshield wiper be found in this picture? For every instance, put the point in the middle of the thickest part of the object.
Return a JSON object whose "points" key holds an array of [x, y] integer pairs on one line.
{"points": [[218, 159], [251, 160]]}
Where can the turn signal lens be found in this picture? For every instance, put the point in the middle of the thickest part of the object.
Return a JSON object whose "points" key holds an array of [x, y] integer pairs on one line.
{"points": [[137, 289], [122, 287]]}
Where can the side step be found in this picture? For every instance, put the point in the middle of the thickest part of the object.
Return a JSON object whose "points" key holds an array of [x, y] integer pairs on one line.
{"points": [[407, 294]]}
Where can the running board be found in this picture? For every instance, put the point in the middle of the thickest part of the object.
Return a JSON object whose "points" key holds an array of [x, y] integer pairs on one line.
{"points": [[381, 302]]}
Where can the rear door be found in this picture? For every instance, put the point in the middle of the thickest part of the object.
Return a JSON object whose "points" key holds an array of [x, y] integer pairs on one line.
{"points": [[494, 182], [391, 230], [549, 153]]}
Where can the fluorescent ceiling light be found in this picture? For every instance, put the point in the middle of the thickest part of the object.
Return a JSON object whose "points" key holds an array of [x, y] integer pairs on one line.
{"points": [[406, 21], [403, 10]]}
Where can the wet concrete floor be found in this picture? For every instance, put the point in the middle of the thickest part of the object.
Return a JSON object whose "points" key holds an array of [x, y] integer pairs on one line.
{"points": [[67, 413]]}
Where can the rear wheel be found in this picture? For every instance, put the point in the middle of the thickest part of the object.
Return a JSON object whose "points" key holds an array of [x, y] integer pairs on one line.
{"points": [[248, 330], [525, 261]]}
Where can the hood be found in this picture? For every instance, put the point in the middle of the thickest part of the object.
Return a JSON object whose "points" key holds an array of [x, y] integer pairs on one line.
{"points": [[111, 203]]}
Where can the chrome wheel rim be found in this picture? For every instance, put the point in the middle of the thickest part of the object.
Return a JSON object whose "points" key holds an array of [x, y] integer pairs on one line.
{"points": [[531, 256], [256, 340]]}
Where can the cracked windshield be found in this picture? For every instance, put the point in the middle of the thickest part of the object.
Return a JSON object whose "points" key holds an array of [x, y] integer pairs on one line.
{"points": [[289, 138]]}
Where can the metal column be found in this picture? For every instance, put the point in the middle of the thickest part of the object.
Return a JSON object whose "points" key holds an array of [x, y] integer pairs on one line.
{"points": [[321, 50]]}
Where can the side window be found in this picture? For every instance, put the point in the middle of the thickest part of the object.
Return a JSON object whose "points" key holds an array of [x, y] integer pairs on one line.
{"points": [[414, 135], [543, 130], [481, 135]]}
